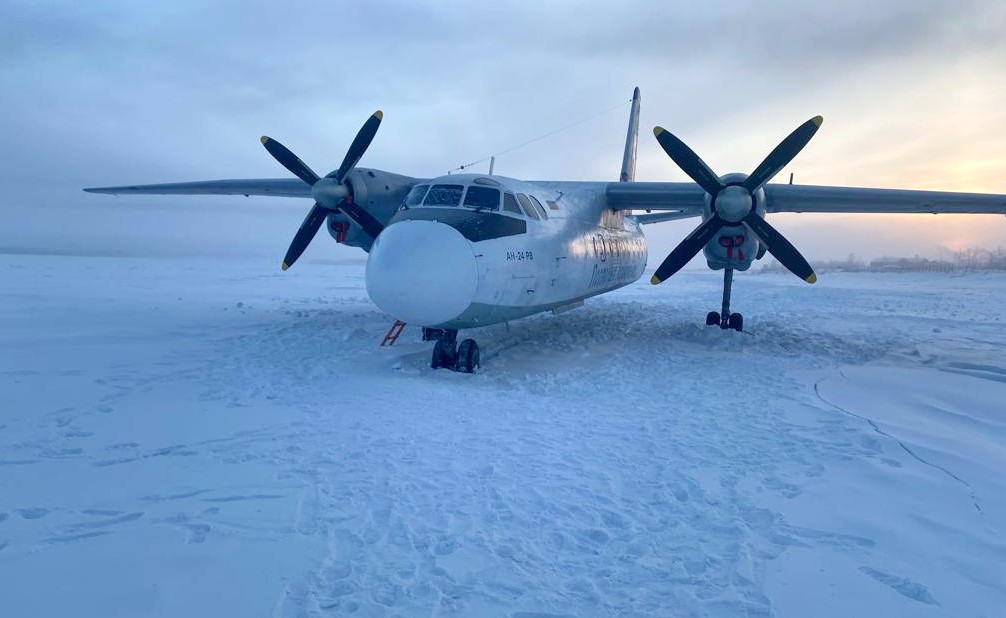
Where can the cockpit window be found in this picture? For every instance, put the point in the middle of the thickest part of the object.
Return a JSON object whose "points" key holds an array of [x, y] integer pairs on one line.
{"points": [[526, 205], [444, 195], [482, 198], [539, 207], [415, 197], [510, 203]]}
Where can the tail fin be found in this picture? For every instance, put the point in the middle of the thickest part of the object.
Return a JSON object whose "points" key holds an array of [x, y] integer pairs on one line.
{"points": [[629, 158]]}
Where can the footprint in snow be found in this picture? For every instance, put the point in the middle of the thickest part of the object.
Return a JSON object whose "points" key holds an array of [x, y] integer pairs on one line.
{"points": [[196, 532], [101, 512], [901, 585], [32, 513], [70, 538]]}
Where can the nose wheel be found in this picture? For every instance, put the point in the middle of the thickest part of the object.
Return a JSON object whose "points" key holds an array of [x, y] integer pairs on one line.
{"points": [[724, 319], [447, 354]]}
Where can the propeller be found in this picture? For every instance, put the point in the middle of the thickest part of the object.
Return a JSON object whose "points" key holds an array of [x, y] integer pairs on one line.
{"points": [[330, 193], [735, 203]]}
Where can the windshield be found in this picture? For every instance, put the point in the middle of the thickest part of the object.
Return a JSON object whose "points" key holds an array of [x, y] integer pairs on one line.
{"points": [[482, 198], [444, 195], [526, 205], [415, 197]]}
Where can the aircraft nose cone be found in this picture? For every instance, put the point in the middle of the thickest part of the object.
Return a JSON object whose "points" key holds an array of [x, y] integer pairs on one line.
{"points": [[422, 272]]}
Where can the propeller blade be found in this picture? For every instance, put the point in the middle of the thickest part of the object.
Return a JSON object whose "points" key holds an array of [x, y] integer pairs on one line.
{"points": [[689, 162], [783, 154], [359, 146], [781, 248], [289, 160], [312, 223], [364, 219], [687, 249]]}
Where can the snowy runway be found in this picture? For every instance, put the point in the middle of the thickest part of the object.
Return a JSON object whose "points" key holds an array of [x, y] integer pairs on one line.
{"points": [[217, 438]]}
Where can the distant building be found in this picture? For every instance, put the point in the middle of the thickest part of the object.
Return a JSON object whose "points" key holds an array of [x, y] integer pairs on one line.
{"points": [[912, 264]]}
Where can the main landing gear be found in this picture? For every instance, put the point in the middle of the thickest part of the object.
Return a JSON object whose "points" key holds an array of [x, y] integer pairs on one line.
{"points": [[448, 354], [724, 319]]}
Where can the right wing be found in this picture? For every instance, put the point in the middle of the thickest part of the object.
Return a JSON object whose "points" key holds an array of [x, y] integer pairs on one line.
{"points": [[667, 215], [809, 198], [282, 187]]}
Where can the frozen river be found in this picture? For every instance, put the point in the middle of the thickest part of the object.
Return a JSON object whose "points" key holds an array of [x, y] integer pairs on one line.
{"points": [[216, 438]]}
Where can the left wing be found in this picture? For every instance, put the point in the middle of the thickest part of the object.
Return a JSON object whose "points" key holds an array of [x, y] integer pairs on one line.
{"points": [[282, 187], [686, 199]]}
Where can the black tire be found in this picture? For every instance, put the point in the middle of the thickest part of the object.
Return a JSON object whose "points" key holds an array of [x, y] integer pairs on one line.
{"points": [[736, 322], [444, 355], [468, 356], [712, 318]]}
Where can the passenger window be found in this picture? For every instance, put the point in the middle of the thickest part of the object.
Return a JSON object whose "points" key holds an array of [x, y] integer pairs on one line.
{"points": [[526, 205], [482, 197], [510, 203], [444, 195], [415, 197], [539, 207]]}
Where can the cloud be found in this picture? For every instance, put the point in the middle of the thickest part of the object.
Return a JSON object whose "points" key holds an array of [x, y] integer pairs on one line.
{"points": [[110, 92]]}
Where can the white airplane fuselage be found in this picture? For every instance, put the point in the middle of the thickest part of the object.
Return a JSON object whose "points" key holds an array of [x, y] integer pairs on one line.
{"points": [[457, 266]]}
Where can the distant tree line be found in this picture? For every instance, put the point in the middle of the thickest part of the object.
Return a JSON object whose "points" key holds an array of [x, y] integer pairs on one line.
{"points": [[964, 260]]}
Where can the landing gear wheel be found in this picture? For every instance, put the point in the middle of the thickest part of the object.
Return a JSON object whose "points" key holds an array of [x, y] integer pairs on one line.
{"points": [[444, 354], [736, 322], [468, 356], [712, 319]]}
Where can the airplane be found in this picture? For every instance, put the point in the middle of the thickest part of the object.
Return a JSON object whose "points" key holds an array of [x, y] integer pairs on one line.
{"points": [[469, 250]]}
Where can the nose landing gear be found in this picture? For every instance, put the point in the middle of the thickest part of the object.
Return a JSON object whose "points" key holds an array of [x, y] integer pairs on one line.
{"points": [[725, 319], [464, 358]]}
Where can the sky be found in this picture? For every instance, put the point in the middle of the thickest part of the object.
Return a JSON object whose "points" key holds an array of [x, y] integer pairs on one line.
{"points": [[114, 92]]}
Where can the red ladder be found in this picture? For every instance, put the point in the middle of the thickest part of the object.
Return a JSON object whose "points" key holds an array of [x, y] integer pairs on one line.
{"points": [[392, 336]]}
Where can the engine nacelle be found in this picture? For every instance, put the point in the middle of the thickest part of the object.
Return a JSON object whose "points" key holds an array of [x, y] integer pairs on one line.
{"points": [[734, 246], [380, 193]]}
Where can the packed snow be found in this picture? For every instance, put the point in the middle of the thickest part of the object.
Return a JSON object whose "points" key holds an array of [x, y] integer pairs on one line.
{"points": [[199, 437]]}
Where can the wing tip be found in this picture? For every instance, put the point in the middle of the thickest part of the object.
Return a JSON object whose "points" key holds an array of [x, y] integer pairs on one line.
{"points": [[811, 278], [654, 280], [264, 139], [817, 120], [284, 266], [657, 130], [379, 115]]}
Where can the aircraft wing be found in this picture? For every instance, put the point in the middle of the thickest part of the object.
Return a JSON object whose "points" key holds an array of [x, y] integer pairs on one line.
{"points": [[666, 215], [686, 199], [282, 187], [807, 198], [680, 196]]}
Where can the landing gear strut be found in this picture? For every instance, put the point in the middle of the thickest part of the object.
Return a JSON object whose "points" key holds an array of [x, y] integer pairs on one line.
{"points": [[725, 319], [464, 358]]}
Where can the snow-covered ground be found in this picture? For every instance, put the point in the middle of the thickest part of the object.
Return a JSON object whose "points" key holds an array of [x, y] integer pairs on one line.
{"points": [[217, 438]]}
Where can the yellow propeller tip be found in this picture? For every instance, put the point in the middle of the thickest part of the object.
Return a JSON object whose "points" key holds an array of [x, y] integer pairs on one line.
{"points": [[655, 280], [818, 120], [285, 266], [812, 278], [657, 131], [379, 115], [264, 139]]}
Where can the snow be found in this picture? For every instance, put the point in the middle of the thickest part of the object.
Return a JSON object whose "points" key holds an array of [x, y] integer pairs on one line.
{"points": [[208, 437]]}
